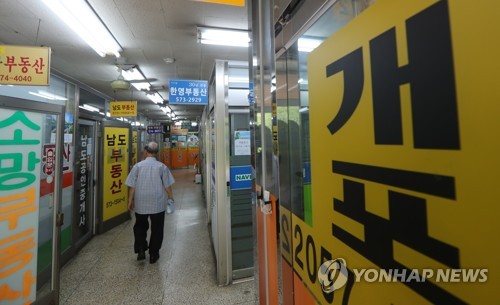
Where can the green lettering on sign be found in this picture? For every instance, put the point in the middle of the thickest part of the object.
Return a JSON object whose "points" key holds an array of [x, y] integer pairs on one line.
{"points": [[243, 177]]}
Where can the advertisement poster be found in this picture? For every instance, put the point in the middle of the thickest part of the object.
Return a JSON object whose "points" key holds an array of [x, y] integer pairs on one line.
{"points": [[19, 203], [115, 192], [404, 201], [242, 143]]}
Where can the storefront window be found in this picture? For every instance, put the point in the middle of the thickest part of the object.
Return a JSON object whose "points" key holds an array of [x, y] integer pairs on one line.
{"points": [[297, 102]]}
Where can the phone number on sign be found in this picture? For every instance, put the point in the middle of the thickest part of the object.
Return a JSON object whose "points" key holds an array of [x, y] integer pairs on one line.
{"points": [[188, 99], [17, 78]]}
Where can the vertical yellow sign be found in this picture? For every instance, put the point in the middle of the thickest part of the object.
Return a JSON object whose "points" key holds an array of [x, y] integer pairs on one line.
{"points": [[116, 161], [24, 66], [404, 112], [135, 148]]}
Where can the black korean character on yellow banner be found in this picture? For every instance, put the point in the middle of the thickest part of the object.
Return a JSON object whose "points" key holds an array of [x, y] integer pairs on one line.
{"points": [[407, 222], [122, 140], [111, 139], [116, 155], [429, 73]]}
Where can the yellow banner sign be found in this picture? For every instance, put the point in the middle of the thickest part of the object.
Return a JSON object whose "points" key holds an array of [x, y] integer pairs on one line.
{"points": [[227, 2], [135, 148], [123, 108], [404, 112], [24, 66], [180, 131], [115, 171]]}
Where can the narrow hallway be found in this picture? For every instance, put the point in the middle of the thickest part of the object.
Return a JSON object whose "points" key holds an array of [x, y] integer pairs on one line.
{"points": [[106, 271]]}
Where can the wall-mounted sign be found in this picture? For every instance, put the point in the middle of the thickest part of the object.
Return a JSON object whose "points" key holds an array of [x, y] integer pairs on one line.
{"points": [[24, 66], [135, 147], [191, 92], [178, 129], [242, 143], [241, 177], [150, 129], [123, 108], [115, 171]]}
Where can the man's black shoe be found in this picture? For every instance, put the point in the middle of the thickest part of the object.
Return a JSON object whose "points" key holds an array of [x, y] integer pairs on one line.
{"points": [[153, 258], [141, 255]]}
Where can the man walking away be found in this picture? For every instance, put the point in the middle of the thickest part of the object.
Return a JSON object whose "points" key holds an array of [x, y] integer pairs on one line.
{"points": [[150, 184]]}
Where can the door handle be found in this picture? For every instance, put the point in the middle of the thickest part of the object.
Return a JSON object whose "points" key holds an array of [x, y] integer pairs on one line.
{"points": [[60, 219]]}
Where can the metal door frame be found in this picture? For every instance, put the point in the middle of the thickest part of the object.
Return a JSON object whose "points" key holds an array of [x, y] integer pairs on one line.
{"points": [[59, 110]]}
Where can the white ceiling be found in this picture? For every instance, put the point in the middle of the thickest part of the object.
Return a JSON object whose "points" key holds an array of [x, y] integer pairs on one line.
{"points": [[147, 30]]}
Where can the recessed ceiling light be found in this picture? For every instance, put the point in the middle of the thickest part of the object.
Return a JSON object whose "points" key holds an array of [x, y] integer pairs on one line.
{"points": [[169, 60]]}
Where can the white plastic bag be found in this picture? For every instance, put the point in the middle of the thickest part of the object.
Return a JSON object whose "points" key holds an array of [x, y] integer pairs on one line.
{"points": [[170, 206]]}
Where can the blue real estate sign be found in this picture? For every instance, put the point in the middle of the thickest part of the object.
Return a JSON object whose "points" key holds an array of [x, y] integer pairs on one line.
{"points": [[192, 92]]}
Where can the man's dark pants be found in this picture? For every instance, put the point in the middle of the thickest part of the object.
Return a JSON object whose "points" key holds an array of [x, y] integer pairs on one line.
{"points": [[141, 231]]}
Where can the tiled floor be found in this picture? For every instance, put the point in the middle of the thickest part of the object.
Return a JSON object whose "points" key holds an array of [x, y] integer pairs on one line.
{"points": [[106, 271]]}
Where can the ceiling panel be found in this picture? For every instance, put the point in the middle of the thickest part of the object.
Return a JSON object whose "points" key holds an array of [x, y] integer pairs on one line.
{"points": [[147, 30]]}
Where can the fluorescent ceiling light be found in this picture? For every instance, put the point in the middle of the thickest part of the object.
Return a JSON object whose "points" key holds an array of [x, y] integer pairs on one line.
{"points": [[89, 108], [223, 37], [308, 44], [156, 98], [48, 95], [82, 19], [141, 86], [135, 74], [166, 110]]}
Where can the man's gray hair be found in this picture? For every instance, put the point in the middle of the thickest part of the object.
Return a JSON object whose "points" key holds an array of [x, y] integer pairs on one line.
{"points": [[152, 147]]}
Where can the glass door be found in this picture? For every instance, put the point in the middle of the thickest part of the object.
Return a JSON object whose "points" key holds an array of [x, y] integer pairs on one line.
{"points": [[241, 193], [31, 139]]}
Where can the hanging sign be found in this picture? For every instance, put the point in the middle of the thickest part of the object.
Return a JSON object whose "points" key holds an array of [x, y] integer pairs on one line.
{"points": [[24, 66], [150, 129], [19, 204], [191, 92], [123, 108]]}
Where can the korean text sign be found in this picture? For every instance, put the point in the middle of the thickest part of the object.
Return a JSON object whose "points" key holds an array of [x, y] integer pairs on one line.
{"points": [[20, 153], [151, 129], [191, 92], [28, 66], [123, 108], [404, 152], [116, 161]]}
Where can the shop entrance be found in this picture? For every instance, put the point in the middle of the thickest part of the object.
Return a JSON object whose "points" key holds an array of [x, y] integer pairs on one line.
{"points": [[31, 139]]}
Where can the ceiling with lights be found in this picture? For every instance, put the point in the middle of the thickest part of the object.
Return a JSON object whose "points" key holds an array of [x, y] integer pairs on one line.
{"points": [[156, 41]]}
